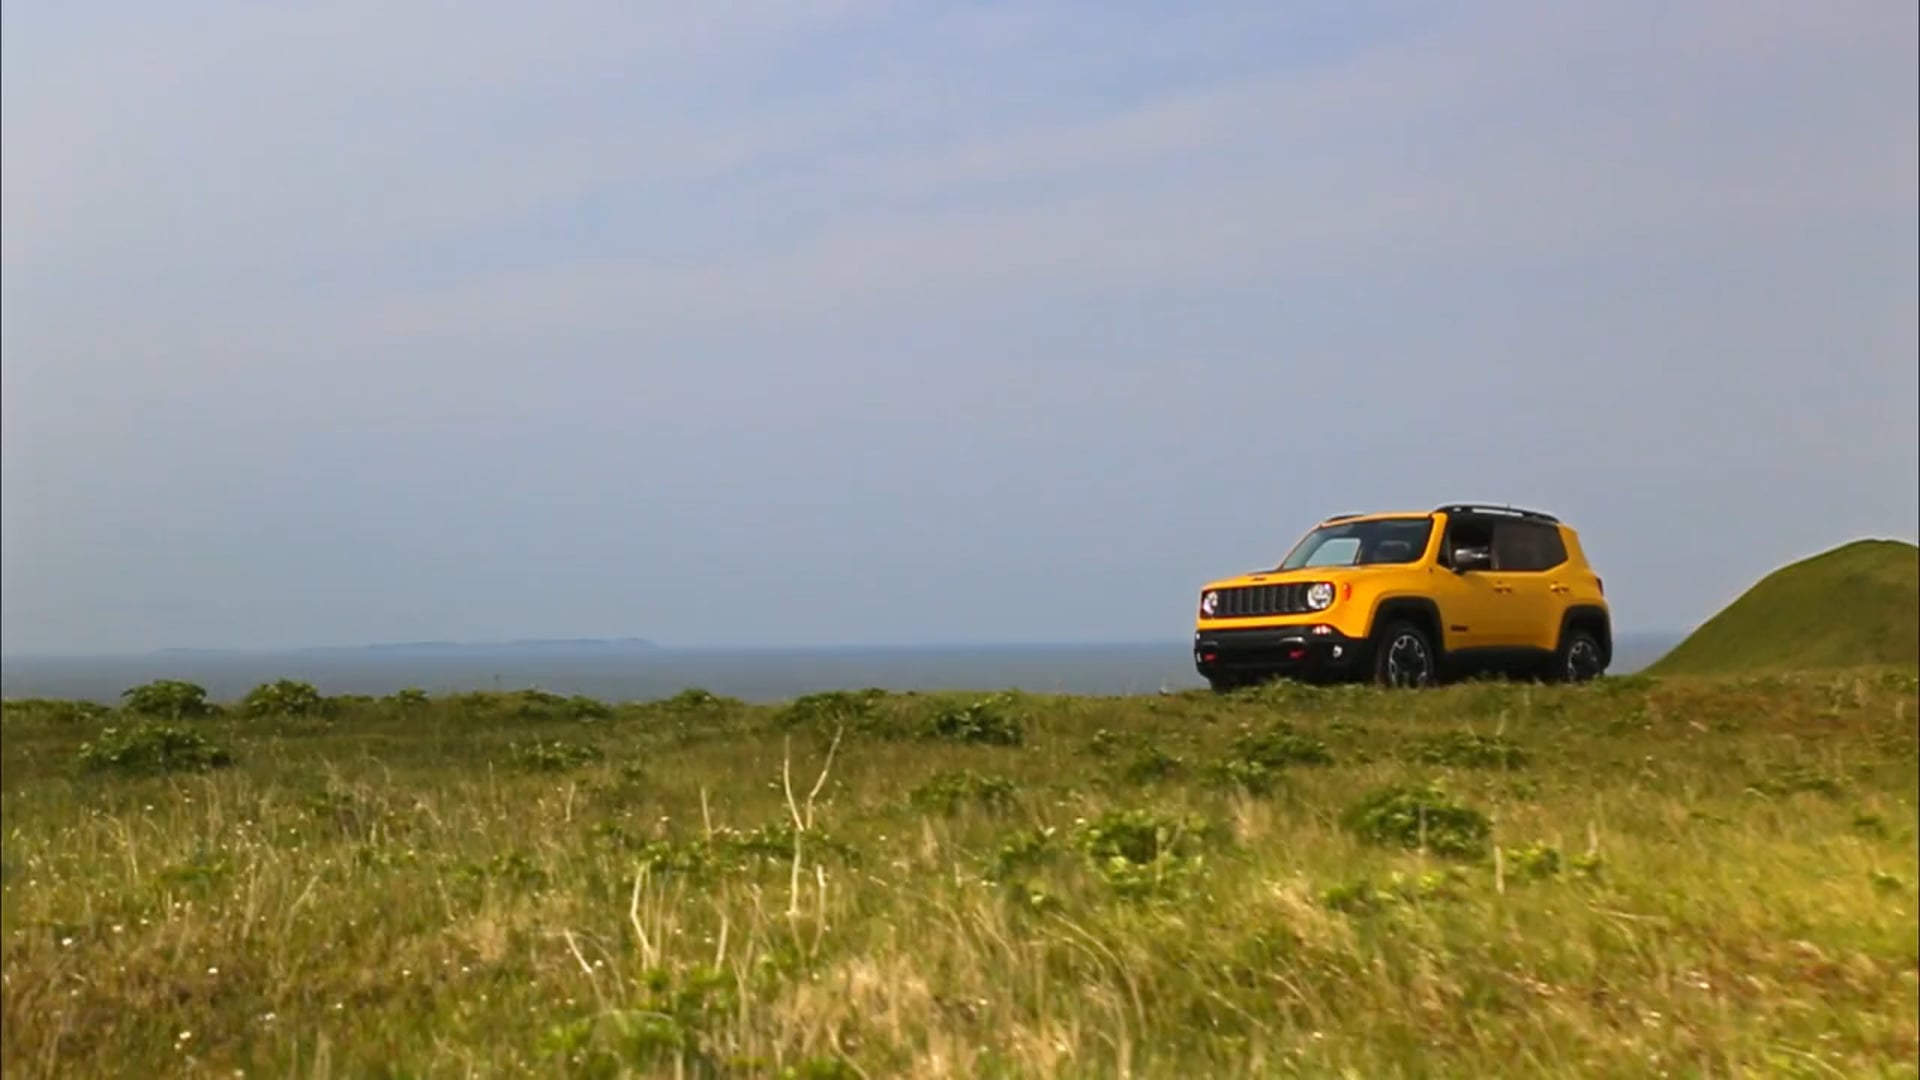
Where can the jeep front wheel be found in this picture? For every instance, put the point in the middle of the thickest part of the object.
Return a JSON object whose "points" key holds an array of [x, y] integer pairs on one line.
{"points": [[1404, 658]]}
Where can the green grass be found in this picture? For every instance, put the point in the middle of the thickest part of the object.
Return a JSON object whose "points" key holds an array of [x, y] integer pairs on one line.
{"points": [[1703, 877], [1857, 604]]}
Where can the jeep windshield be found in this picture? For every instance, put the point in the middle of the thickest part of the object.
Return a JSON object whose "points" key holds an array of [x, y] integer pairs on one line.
{"points": [[1378, 542]]}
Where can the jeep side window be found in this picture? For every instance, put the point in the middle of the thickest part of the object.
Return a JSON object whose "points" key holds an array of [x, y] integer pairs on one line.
{"points": [[1523, 546], [1466, 533]]}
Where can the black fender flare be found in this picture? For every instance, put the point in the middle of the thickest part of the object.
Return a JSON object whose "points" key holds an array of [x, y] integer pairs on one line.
{"points": [[1588, 613], [1423, 607]]}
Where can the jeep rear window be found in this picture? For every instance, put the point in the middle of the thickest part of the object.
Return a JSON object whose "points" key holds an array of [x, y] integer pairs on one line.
{"points": [[1361, 543]]}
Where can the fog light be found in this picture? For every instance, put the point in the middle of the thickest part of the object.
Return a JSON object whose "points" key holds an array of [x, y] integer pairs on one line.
{"points": [[1322, 631]]}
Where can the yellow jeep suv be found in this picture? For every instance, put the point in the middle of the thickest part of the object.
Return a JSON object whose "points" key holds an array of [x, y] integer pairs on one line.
{"points": [[1411, 599]]}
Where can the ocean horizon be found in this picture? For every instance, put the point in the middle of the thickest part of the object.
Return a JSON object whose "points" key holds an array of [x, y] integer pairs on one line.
{"points": [[644, 671]]}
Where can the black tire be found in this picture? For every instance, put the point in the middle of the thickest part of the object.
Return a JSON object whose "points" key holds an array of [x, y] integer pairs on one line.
{"points": [[1579, 658], [1404, 658]]}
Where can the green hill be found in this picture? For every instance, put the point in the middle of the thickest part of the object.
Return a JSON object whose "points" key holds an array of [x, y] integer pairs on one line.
{"points": [[1857, 604]]}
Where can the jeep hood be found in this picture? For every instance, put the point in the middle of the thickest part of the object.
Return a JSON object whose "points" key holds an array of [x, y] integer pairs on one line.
{"points": [[1334, 574]]}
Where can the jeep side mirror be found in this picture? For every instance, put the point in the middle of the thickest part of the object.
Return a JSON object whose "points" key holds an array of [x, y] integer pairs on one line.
{"points": [[1472, 558]]}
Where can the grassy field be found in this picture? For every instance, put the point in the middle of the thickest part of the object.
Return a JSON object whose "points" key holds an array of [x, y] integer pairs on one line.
{"points": [[1682, 877]]}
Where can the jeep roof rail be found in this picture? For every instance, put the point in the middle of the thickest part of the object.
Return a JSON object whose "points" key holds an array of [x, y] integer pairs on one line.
{"points": [[1485, 508], [1340, 517]]}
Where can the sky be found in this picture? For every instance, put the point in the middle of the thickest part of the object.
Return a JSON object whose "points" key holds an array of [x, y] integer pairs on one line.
{"points": [[779, 323]]}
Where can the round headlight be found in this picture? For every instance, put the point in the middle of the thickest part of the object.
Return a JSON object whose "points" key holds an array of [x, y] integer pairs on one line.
{"points": [[1320, 595], [1209, 604]]}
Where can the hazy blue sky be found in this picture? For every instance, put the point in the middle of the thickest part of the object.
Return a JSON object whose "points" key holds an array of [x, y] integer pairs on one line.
{"points": [[775, 322]]}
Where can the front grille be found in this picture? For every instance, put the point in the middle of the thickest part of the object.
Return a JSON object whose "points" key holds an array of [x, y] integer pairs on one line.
{"points": [[1257, 601]]}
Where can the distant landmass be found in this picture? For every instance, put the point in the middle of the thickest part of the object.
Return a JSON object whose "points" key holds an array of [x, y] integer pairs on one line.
{"points": [[441, 648], [633, 669], [1858, 604]]}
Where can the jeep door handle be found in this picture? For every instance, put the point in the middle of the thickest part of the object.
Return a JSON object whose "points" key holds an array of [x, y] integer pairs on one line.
{"points": [[1557, 587], [1501, 586]]}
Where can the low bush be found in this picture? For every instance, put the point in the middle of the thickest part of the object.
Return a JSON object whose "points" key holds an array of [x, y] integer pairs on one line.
{"points": [[951, 791], [990, 720], [283, 697], [1420, 816], [1152, 764], [1142, 853], [831, 709], [553, 755], [1281, 745], [152, 748], [1468, 749], [171, 699], [44, 710]]}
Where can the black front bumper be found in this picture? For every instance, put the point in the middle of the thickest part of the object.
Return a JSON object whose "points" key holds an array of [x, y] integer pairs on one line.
{"points": [[1282, 650]]}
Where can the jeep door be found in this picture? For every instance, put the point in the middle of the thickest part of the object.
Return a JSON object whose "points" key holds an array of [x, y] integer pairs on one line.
{"points": [[1527, 559], [1473, 612]]}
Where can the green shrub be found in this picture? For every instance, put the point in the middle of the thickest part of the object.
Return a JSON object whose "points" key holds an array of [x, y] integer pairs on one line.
{"points": [[1256, 759], [821, 1068], [553, 755], [152, 748], [1533, 862], [1792, 779], [513, 870], [1468, 749], [171, 699], [1249, 776], [831, 709], [1025, 850], [53, 711], [1420, 816], [949, 791], [283, 697], [1142, 853], [696, 699], [410, 699], [990, 720], [728, 849], [1280, 746], [587, 710], [1363, 897], [1152, 764], [672, 1023]]}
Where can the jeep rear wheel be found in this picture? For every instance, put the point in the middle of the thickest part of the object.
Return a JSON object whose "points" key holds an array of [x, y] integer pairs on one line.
{"points": [[1579, 658], [1404, 658]]}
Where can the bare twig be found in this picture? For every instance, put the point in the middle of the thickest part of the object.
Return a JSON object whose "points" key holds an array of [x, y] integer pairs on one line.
{"points": [[793, 881], [820, 922], [786, 782], [574, 948], [647, 950], [802, 821], [824, 770]]}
